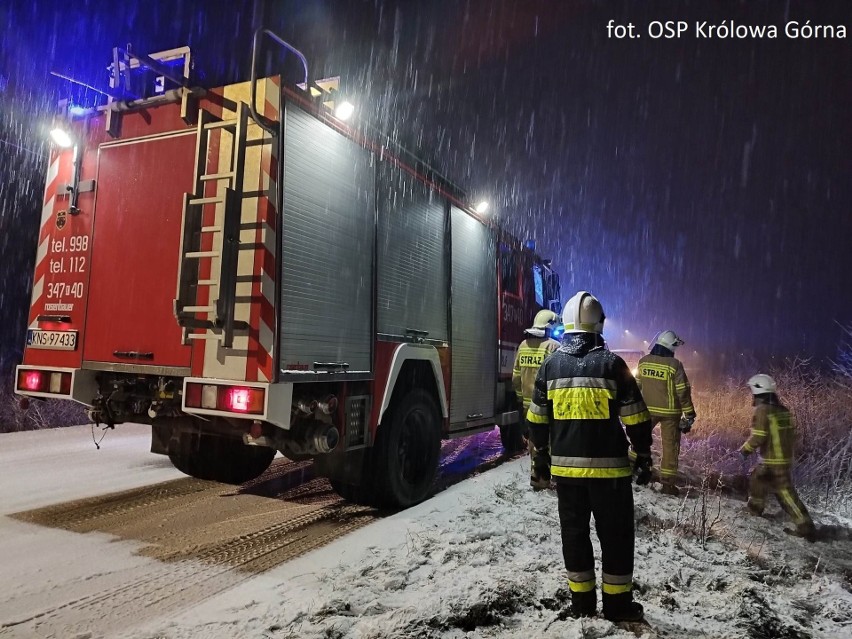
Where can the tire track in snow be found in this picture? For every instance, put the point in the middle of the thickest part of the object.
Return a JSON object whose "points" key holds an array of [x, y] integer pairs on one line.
{"points": [[206, 538], [161, 588]]}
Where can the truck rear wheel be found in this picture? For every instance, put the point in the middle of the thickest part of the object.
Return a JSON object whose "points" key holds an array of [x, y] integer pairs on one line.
{"points": [[407, 451], [222, 459]]}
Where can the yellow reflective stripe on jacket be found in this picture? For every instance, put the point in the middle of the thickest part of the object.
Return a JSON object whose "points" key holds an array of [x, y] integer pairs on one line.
{"points": [[580, 403], [532, 418], [664, 412], [634, 413], [589, 473], [590, 462], [632, 420], [535, 409]]}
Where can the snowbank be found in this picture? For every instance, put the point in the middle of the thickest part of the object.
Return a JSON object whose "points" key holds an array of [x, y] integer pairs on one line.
{"points": [[483, 559]]}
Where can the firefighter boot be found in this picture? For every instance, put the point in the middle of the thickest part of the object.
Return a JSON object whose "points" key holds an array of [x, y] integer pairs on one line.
{"points": [[621, 607], [807, 531], [754, 508], [669, 489], [539, 483], [584, 604]]}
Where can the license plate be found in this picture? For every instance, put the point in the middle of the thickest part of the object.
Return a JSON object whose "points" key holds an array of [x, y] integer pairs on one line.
{"points": [[52, 340]]}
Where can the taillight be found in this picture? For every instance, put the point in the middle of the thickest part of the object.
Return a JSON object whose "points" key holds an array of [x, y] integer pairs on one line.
{"points": [[32, 380], [231, 399], [241, 399], [53, 382]]}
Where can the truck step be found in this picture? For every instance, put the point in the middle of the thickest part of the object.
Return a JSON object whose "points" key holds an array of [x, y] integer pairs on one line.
{"points": [[211, 229], [217, 176], [199, 309], [206, 200], [206, 336], [198, 254], [208, 282], [220, 124]]}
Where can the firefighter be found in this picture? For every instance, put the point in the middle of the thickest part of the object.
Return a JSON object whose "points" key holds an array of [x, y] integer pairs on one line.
{"points": [[581, 392], [667, 393], [773, 433], [528, 359]]}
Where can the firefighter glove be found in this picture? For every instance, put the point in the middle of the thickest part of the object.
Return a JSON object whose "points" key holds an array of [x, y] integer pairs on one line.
{"points": [[743, 454], [642, 469], [686, 424]]}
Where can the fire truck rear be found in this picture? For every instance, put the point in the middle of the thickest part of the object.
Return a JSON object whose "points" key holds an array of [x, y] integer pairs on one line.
{"points": [[244, 272]]}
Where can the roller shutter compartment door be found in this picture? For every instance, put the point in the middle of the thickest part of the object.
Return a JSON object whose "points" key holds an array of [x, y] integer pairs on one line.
{"points": [[327, 239], [412, 269], [474, 318]]}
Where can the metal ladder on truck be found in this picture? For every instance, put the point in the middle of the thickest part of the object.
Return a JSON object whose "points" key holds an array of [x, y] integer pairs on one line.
{"points": [[225, 246], [224, 235]]}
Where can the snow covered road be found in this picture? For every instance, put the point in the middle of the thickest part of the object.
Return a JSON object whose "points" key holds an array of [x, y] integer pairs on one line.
{"points": [[480, 559]]}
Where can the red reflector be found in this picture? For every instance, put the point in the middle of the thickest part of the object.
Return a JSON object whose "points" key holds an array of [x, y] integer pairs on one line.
{"points": [[32, 380], [193, 395], [65, 386]]}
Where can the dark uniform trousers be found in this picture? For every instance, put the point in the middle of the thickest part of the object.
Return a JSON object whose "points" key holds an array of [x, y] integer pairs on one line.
{"points": [[610, 501]]}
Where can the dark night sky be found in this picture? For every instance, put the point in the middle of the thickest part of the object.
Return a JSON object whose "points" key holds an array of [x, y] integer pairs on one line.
{"points": [[695, 184]]}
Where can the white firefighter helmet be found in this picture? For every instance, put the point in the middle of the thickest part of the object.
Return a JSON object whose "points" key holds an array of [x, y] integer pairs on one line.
{"points": [[760, 384], [583, 313], [545, 319], [669, 340]]}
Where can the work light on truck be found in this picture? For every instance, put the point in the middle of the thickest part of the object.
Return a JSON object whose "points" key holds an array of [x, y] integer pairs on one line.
{"points": [[61, 138], [231, 399]]}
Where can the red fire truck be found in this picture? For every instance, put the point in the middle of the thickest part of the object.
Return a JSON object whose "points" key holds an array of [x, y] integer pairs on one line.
{"points": [[243, 271]]}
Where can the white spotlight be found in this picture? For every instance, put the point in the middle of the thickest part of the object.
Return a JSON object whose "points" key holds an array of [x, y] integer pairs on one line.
{"points": [[61, 138], [344, 110], [481, 207]]}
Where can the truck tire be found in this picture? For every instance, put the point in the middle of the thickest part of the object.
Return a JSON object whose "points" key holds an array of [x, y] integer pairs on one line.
{"points": [[408, 447], [222, 459], [512, 437]]}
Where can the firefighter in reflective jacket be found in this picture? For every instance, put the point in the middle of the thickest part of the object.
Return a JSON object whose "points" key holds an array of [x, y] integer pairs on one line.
{"points": [[773, 433], [528, 360], [667, 393], [583, 394]]}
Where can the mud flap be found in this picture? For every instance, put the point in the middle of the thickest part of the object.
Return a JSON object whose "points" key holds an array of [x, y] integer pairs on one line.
{"points": [[346, 467], [160, 436]]}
